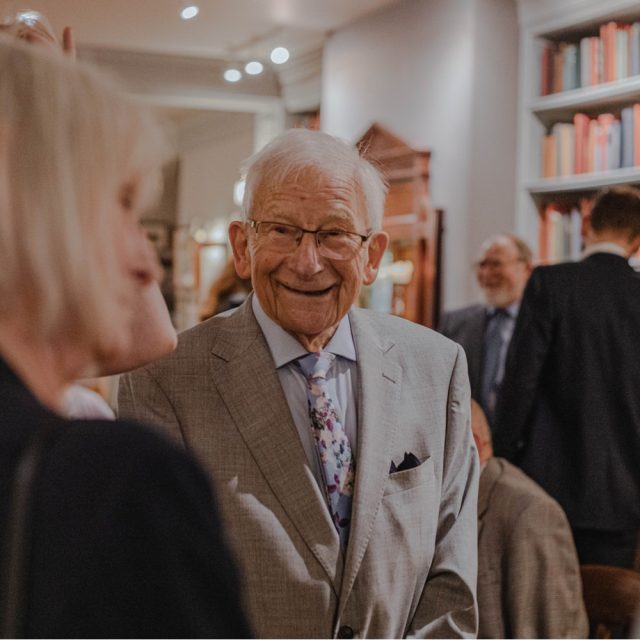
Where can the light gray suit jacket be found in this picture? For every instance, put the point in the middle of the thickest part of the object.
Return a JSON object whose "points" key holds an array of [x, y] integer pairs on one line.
{"points": [[410, 566], [528, 573], [466, 326]]}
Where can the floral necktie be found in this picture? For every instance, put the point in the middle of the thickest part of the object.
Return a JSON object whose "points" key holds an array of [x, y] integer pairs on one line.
{"points": [[338, 465]]}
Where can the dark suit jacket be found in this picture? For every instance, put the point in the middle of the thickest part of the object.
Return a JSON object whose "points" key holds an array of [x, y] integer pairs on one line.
{"points": [[569, 410], [125, 537], [528, 573], [466, 326]]}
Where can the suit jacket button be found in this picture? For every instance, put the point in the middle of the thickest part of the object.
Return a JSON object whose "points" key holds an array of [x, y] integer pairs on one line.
{"points": [[345, 632], [520, 445]]}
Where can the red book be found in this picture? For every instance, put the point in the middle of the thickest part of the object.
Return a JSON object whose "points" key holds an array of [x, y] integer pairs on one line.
{"points": [[591, 146], [581, 123], [608, 35], [546, 69], [543, 234], [558, 67]]}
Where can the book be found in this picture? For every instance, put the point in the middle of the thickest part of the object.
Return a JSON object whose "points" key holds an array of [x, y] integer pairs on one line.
{"points": [[585, 62], [622, 51], [634, 49], [558, 66], [570, 68], [613, 145], [546, 69], [549, 157], [636, 134], [626, 137], [581, 126]]}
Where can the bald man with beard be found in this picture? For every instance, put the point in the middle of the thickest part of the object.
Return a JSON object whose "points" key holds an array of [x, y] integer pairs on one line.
{"points": [[485, 330]]}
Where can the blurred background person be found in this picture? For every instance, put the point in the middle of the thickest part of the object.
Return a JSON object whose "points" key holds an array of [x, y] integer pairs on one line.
{"points": [[227, 291], [153, 331], [528, 572], [114, 532], [485, 330], [569, 411]]}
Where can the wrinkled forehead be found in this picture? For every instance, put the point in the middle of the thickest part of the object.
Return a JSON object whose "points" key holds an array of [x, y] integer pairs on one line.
{"points": [[311, 187]]}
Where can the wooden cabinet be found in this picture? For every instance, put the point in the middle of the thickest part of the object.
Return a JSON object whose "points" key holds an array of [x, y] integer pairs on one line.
{"points": [[415, 230]]}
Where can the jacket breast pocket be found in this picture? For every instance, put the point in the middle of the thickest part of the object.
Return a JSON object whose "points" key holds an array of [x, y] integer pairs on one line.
{"points": [[410, 478]]}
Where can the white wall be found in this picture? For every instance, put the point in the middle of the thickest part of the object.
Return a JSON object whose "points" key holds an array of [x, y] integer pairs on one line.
{"points": [[417, 68], [211, 154]]}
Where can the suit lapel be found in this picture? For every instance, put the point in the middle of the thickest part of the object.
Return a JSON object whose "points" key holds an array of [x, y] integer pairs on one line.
{"points": [[245, 376], [379, 378]]}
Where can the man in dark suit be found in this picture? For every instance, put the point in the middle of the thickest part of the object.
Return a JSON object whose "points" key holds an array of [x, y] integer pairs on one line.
{"points": [[569, 411], [484, 330]]}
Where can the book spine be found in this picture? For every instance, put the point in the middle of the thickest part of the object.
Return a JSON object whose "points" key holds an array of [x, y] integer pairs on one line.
{"points": [[626, 137]]}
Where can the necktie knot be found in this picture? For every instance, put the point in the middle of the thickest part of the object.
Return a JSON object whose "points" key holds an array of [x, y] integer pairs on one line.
{"points": [[499, 313], [316, 365]]}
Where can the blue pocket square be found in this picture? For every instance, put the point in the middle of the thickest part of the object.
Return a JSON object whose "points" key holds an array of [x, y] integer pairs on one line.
{"points": [[410, 461]]}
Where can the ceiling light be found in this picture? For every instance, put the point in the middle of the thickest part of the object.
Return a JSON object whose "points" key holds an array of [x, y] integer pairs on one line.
{"points": [[232, 75], [189, 12], [279, 55], [253, 68]]}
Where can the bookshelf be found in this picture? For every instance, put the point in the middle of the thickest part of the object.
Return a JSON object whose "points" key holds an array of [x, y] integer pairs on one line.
{"points": [[564, 22]]}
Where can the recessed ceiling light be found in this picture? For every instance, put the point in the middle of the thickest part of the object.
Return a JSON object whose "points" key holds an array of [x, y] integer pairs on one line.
{"points": [[279, 55], [189, 12], [253, 68], [232, 75]]}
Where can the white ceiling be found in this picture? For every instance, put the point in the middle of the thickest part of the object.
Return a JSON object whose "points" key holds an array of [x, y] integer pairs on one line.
{"points": [[223, 29]]}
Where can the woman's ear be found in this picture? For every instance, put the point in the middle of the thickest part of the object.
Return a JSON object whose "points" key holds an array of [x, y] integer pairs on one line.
{"points": [[240, 247], [376, 247]]}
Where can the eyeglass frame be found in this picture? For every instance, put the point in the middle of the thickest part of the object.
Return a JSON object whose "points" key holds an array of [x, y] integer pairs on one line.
{"points": [[484, 264], [254, 224]]}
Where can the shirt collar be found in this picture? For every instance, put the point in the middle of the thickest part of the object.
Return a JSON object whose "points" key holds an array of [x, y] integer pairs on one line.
{"points": [[604, 247], [512, 309], [285, 348]]}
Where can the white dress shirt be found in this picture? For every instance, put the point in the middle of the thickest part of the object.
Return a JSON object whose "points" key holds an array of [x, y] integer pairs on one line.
{"points": [[342, 381]]}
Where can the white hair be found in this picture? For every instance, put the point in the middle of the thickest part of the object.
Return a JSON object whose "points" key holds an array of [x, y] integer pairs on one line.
{"points": [[69, 143], [297, 150]]}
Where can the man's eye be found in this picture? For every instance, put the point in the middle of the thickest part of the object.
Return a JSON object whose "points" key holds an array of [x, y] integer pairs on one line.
{"points": [[281, 229], [333, 233]]}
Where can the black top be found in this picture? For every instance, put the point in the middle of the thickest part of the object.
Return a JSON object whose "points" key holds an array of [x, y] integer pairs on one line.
{"points": [[569, 410], [126, 540]]}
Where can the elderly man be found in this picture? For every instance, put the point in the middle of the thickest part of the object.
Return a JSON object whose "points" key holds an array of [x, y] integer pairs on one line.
{"points": [[338, 438], [528, 573], [484, 330]]}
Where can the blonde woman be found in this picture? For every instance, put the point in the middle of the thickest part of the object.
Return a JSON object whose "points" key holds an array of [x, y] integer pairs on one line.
{"points": [[111, 531], [153, 332]]}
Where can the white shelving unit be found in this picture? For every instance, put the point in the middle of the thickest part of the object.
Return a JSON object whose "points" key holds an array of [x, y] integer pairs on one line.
{"points": [[563, 21]]}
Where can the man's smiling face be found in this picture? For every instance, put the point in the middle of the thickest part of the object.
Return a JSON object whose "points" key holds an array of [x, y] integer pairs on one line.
{"points": [[304, 292]]}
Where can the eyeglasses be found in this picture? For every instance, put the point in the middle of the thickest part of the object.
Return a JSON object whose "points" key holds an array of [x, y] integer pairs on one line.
{"points": [[331, 243], [495, 264]]}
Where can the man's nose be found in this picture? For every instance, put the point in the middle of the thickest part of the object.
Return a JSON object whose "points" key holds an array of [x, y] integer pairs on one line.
{"points": [[306, 259]]}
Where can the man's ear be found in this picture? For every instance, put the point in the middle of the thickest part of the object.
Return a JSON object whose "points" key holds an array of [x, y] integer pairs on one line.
{"points": [[240, 247], [376, 247]]}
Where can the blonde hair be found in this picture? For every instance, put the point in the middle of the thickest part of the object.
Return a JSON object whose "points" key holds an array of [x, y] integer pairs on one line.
{"points": [[70, 143]]}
